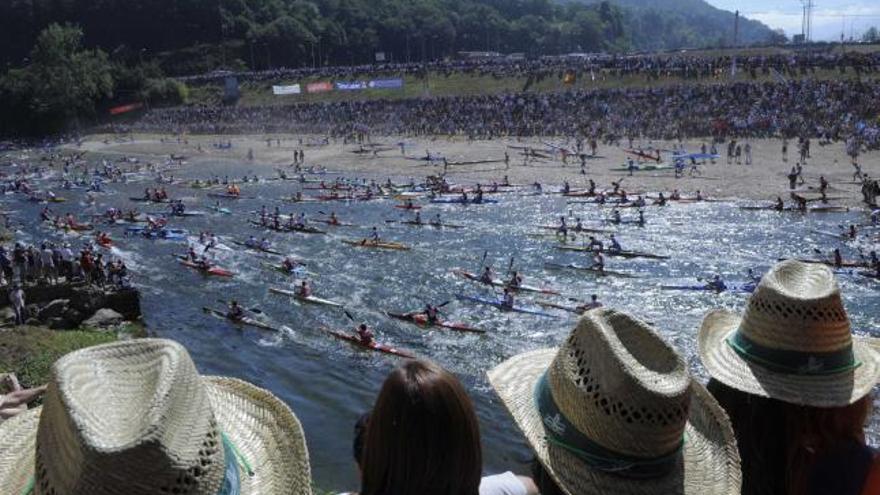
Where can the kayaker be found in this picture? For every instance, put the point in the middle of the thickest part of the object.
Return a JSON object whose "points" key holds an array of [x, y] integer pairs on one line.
{"points": [[591, 191], [252, 242], [265, 245], [46, 214], [615, 246], [699, 195], [598, 262], [418, 219], [436, 221], [595, 244], [639, 202], [304, 291], [838, 259], [780, 205], [203, 263], [334, 220], [593, 304], [507, 299], [753, 277], [566, 187], [873, 261], [641, 217], [486, 276], [432, 314], [661, 200], [578, 226], [191, 255], [853, 233], [716, 284], [374, 235], [615, 216], [364, 334], [235, 312], [801, 202], [289, 264], [515, 280], [675, 196], [478, 196]]}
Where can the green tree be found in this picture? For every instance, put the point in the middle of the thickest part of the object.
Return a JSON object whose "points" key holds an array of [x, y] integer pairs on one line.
{"points": [[63, 81], [871, 35]]}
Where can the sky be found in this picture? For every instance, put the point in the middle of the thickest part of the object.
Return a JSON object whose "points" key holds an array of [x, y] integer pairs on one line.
{"points": [[830, 17]]}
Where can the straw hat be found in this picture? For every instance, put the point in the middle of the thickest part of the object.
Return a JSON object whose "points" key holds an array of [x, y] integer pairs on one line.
{"points": [[136, 418], [613, 410], [793, 343]]}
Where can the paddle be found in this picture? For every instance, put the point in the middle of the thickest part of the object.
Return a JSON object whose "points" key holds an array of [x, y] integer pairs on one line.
{"points": [[252, 310], [348, 315]]}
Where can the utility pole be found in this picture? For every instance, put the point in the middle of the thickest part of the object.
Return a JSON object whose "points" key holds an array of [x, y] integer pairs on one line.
{"points": [[735, 28]]}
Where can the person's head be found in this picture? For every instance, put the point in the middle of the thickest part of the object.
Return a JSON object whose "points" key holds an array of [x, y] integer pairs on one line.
{"points": [[594, 297], [794, 380], [423, 436]]}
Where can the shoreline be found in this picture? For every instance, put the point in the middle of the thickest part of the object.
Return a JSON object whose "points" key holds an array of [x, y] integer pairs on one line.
{"points": [[763, 180]]}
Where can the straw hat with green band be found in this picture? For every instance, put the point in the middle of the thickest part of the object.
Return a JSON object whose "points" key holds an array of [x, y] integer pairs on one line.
{"points": [[793, 342], [136, 418], [614, 410]]}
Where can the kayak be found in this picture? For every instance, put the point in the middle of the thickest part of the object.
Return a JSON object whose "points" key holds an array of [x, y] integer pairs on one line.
{"points": [[500, 283], [422, 321], [146, 200], [573, 230], [221, 210], [256, 248], [603, 273], [408, 207], [244, 321], [642, 168], [547, 304], [378, 245], [309, 299], [374, 346], [299, 271], [56, 199], [459, 201], [184, 214], [225, 196], [746, 289], [502, 307], [815, 209], [620, 254], [844, 236], [291, 199], [335, 224], [284, 228], [431, 224], [845, 263], [216, 271]]}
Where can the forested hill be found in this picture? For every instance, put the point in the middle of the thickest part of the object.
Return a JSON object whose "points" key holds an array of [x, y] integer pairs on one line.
{"points": [[187, 35]]}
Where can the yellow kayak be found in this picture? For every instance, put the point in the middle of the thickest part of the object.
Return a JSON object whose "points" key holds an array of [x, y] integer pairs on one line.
{"points": [[377, 245]]}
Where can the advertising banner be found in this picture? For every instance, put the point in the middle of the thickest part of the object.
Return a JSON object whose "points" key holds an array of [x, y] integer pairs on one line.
{"points": [[293, 89], [319, 87], [350, 85], [386, 83]]}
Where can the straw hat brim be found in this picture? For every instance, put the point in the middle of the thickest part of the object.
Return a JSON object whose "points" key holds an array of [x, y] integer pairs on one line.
{"points": [[259, 425], [728, 367], [709, 463]]}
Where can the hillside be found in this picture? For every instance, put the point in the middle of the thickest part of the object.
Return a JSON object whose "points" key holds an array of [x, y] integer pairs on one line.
{"points": [[197, 35], [669, 24]]}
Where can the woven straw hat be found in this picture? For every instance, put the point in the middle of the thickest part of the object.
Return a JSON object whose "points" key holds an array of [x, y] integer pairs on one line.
{"points": [[793, 343], [613, 410], [136, 418]]}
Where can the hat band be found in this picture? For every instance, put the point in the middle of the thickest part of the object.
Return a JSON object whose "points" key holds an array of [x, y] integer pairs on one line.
{"points": [[562, 433], [793, 362], [231, 478]]}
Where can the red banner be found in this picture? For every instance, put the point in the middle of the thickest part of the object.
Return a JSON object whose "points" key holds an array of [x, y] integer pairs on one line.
{"points": [[319, 87], [125, 108]]}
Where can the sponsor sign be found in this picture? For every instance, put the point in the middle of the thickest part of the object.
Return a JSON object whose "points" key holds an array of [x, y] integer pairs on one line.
{"points": [[293, 89], [351, 85], [386, 83], [319, 87]]}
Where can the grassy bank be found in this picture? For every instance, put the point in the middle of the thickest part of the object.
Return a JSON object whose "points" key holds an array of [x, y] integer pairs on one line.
{"points": [[29, 352]]}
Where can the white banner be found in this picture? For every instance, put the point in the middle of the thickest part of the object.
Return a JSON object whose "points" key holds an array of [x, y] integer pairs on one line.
{"points": [[286, 90]]}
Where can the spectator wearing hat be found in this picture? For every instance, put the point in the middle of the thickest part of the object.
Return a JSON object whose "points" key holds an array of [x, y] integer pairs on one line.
{"points": [[613, 410], [136, 418], [796, 383]]}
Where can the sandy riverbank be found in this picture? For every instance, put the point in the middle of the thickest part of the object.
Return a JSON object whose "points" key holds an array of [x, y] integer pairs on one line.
{"points": [[763, 180]]}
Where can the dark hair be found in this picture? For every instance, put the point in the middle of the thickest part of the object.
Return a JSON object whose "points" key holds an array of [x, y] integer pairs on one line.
{"points": [[545, 483], [779, 442], [423, 437], [357, 445]]}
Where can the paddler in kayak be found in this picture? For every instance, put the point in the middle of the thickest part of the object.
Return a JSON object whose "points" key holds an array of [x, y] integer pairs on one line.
{"points": [[507, 299], [418, 219], [595, 245], [46, 214], [265, 245], [364, 335], [641, 217], [716, 284], [853, 233], [436, 221], [614, 246], [289, 264], [593, 304], [566, 187], [374, 236], [578, 225], [486, 277], [591, 191], [615, 216], [515, 280], [801, 202], [675, 196], [563, 228], [334, 220], [780, 205], [838, 259], [639, 202], [873, 261], [191, 255], [304, 291], [235, 311], [661, 200], [598, 262], [103, 239], [252, 242]]}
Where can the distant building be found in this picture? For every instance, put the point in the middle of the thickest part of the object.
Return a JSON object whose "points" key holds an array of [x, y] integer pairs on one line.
{"points": [[479, 55]]}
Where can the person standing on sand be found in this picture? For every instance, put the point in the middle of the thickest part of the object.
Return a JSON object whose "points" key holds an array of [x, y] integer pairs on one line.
{"points": [[748, 151], [16, 298], [785, 150]]}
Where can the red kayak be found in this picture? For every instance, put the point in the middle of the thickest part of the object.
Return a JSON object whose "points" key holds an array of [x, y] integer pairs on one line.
{"points": [[373, 347], [216, 271], [422, 320]]}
